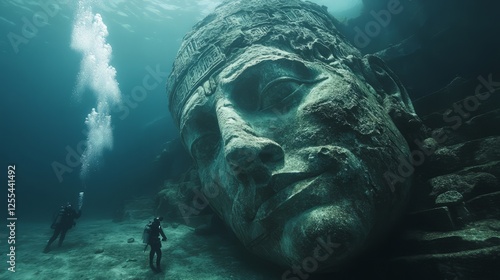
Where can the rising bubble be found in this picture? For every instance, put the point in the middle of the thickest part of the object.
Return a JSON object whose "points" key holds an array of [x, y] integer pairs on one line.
{"points": [[89, 39]]}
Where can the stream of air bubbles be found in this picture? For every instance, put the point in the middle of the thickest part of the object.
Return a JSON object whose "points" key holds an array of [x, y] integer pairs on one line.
{"points": [[97, 75]]}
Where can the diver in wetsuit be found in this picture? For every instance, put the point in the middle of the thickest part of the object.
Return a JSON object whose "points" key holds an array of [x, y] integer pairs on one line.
{"points": [[155, 243], [64, 220]]}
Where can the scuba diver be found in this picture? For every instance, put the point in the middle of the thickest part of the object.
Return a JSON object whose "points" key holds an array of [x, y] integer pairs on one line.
{"points": [[64, 220], [151, 238]]}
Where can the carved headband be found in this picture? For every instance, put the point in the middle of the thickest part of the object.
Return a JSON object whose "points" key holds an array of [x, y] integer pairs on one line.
{"points": [[235, 25]]}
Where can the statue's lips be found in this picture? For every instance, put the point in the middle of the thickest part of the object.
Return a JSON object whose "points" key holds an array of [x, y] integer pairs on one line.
{"points": [[289, 189]]}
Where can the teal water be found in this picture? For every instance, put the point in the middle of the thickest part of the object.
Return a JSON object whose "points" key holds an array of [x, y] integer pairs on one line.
{"points": [[43, 113], [43, 110], [43, 121]]}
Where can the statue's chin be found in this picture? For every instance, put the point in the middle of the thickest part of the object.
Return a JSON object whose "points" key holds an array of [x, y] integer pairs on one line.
{"points": [[329, 235]]}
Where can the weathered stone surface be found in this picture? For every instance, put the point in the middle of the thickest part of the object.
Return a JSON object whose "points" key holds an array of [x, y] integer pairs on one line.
{"points": [[453, 158], [470, 253], [181, 200], [480, 264], [257, 151], [297, 139], [432, 106], [485, 206], [462, 108], [434, 219], [169, 168], [449, 198], [463, 164], [484, 125], [492, 167], [476, 235], [469, 185], [443, 44]]}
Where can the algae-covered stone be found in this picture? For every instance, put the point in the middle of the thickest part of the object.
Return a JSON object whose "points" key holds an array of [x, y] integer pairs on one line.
{"points": [[296, 137], [449, 198]]}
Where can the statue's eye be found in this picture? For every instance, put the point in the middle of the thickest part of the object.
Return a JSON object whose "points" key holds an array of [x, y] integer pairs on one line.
{"points": [[204, 136], [205, 147], [272, 85], [284, 93], [280, 93]]}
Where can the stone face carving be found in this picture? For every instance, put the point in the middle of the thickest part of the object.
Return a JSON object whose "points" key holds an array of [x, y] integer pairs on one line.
{"points": [[293, 133]]}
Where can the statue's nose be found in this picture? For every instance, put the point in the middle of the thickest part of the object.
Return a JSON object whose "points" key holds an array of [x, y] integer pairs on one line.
{"points": [[247, 153], [253, 156]]}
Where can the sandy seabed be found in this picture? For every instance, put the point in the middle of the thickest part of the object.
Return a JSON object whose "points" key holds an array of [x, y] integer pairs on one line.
{"points": [[98, 249]]}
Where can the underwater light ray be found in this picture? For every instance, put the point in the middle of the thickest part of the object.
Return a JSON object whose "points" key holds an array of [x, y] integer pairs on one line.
{"points": [[89, 38]]}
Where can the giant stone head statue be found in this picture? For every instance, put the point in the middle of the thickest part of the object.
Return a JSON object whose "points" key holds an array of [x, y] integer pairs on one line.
{"points": [[291, 130]]}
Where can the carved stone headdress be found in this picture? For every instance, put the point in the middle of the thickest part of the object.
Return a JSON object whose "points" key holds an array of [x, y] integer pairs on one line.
{"points": [[298, 27]]}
